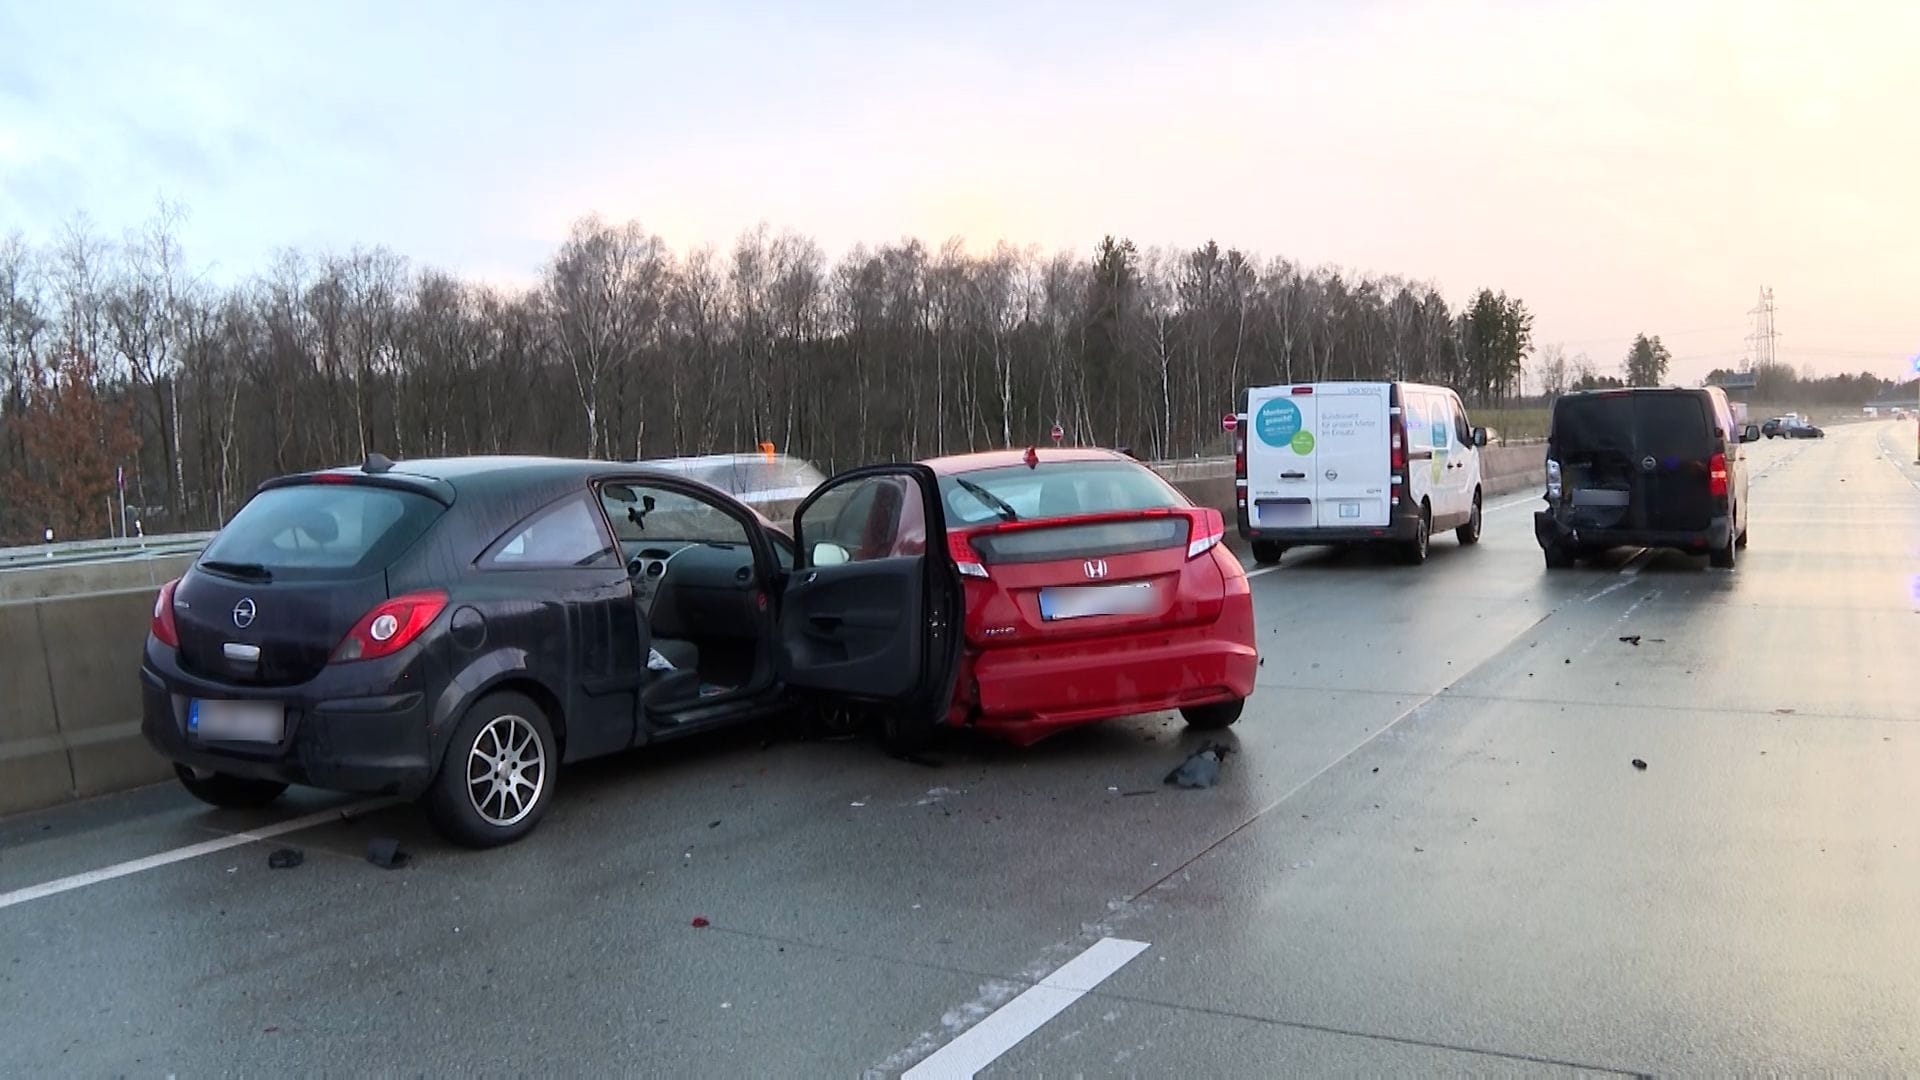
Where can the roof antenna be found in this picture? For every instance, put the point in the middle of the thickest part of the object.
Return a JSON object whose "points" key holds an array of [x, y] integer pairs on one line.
{"points": [[377, 464]]}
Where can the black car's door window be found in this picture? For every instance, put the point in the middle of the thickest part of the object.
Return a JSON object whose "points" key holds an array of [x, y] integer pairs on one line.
{"points": [[566, 534]]}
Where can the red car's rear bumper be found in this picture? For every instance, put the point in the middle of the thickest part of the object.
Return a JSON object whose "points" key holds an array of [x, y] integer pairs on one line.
{"points": [[1025, 693]]}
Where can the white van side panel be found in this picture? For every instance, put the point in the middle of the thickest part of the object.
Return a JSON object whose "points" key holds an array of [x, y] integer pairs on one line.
{"points": [[1280, 451], [1352, 457]]}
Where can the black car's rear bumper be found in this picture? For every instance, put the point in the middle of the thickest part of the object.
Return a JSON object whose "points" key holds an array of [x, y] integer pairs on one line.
{"points": [[337, 736], [1551, 532]]}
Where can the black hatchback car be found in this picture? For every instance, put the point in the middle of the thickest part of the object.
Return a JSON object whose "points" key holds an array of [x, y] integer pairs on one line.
{"points": [[456, 629], [1644, 467]]}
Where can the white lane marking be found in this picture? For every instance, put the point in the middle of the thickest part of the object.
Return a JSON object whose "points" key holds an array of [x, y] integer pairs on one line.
{"points": [[1002, 1030], [191, 851], [1496, 508], [1616, 585], [1256, 572]]}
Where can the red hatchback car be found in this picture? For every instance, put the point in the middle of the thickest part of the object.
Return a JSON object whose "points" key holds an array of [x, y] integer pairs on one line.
{"points": [[1093, 589]]}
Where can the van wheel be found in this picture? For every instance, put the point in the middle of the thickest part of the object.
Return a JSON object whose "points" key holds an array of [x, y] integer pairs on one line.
{"points": [[1470, 532], [1415, 551], [498, 776], [1268, 552], [232, 792], [1213, 717], [1724, 558]]}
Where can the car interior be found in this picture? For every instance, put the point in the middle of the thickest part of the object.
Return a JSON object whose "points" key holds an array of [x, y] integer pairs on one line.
{"points": [[698, 590]]}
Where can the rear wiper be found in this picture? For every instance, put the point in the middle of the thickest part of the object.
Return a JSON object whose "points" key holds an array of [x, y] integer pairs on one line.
{"points": [[243, 571], [988, 499]]}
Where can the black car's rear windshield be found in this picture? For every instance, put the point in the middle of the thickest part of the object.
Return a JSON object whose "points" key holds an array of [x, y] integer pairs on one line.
{"points": [[1054, 489], [1660, 424], [322, 530]]}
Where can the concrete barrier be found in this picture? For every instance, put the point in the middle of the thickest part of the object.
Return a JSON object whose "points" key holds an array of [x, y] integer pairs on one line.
{"points": [[71, 636]]}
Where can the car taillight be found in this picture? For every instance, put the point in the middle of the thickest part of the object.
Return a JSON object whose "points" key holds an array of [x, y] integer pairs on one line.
{"points": [[1205, 530], [163, 628], [964, 556], [1553, 480], [390, 627], [1717, 476]]}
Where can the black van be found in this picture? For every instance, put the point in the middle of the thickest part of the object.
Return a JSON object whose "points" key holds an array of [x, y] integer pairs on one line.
{"points": [[1644, 467]]}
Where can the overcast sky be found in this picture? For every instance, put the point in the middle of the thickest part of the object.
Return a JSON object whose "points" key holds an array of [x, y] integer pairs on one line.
{"points": [[1620, 166]]}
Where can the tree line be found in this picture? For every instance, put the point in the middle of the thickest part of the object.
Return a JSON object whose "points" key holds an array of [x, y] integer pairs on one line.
{"points": [[119, 354]]}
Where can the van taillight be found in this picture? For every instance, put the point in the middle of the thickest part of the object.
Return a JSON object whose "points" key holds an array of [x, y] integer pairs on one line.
{"points": [[390, 627], [1240, 452], [1717, 476], [163, 628], [1397, 459]]}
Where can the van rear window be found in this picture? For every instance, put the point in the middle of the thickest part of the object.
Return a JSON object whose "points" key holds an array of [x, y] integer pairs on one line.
{"points": [[323, 530], [1660, 424]]}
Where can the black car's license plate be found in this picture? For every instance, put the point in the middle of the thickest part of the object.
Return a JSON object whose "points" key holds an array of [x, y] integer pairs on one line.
{"points": [[237, 721]]}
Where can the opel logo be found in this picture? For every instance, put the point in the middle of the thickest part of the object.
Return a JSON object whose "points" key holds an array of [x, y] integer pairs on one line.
{"points": [[243, 612], [1095, 568], [1647, 463]]}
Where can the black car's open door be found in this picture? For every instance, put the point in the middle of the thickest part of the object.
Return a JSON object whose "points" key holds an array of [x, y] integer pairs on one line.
{"points": [[872, 610]]}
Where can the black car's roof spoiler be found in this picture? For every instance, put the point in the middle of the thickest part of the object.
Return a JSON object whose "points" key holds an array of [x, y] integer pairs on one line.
{"points": [[377, 472]]}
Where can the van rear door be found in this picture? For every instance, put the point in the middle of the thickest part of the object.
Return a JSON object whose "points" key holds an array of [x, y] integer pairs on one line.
{"points": [[1351, 457], [1280, 457]]}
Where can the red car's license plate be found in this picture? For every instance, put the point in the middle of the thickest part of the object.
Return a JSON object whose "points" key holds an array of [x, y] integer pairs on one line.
{"points": [[1081, 601]]}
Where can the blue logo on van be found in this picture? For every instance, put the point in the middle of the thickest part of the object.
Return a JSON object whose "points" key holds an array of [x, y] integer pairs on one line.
{"points": [[1277, 422]]}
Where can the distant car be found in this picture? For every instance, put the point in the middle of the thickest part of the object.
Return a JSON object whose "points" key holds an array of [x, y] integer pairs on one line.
{"points": [[1644, 467], [1802, 429], [756, 479], [1775, 427]]}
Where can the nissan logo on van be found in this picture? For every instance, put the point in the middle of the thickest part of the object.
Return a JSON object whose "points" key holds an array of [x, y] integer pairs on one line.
{"points": [[1647, 464]]}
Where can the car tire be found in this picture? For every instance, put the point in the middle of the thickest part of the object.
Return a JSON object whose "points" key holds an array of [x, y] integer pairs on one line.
{"points": [[1470, 532], [1559, 557], [1725, 558], [1268, 552], [231, 792], [1214, 717], [1414, 552], [479, 799], [903, 733]]}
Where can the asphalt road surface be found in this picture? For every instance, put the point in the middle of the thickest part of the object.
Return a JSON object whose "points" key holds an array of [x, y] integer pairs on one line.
{"points": [[1430, 853]]}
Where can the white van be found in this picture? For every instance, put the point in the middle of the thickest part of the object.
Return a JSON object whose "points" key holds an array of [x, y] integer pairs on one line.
{"points": [[1356, 462]]}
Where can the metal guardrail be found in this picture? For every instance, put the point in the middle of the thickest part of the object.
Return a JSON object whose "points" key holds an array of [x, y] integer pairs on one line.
{"points": [[85, 551]]}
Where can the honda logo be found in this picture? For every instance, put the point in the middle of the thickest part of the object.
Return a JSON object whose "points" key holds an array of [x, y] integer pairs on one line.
{"points": [[243, 613], [1095, 568]]}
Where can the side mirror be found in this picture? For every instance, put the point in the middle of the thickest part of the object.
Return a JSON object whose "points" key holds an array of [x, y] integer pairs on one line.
{"points": [[1479, 436], [826, 553], [1751, 433]]}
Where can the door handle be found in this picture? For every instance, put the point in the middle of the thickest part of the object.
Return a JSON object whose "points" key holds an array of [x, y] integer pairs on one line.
{"points": [[1293, 476]]}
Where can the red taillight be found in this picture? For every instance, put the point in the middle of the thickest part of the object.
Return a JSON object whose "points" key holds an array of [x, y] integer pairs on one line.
{"points": [[1240, 452], [1205, 529], [163, 628], [1717, 476], [1397, 459], [964, 556], [390, 627], [1303, 390]]}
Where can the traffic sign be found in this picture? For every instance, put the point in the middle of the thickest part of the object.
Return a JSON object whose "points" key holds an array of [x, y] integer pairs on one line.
{"points": [[1229, 422], [1059, 433]]}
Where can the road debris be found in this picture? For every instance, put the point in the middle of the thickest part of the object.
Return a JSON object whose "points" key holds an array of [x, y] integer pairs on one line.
{"points": [[1631, 639], [384, 852], [286, 858], [1202, 769], [1638, 764], [700, 922]]}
